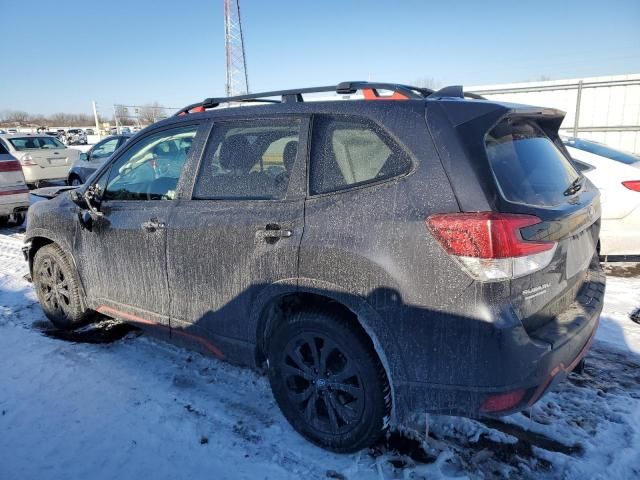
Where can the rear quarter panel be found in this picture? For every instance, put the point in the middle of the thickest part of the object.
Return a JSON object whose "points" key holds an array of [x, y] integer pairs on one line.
{"points": [[372, 243]]}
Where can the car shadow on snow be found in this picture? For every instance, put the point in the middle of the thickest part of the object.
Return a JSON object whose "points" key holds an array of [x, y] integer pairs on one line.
{"points": [[103, 331]]}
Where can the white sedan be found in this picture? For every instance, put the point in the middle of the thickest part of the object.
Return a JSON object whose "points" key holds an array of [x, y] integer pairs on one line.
{"points": [[42, 157], [619, 186]]}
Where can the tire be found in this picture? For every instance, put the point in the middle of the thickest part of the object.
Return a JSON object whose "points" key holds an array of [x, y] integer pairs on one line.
{"points": [[17, 219], [75, 181], [13, 220], [328, 382], [58, 288]]}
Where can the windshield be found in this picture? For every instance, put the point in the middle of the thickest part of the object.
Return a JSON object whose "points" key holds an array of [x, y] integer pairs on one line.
{"points": [[35, 143], [602, 150], [528, 166]]}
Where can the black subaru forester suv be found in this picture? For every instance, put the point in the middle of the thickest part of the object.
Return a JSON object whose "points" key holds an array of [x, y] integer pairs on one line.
{"points": [[405, 252]]}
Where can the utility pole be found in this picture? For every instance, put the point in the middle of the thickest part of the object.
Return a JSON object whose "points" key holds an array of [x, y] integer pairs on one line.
{"points": [[115, 117], [95, 116], [237, 78]]}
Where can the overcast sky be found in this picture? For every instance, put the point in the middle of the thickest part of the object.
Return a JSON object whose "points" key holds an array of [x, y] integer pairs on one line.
{"points": [[58, 56]]}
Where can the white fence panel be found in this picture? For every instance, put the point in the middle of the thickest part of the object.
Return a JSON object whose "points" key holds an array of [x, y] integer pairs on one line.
{"points": [[608, 107]]}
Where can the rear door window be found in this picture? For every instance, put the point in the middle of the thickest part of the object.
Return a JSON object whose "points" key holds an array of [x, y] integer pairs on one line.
{"points": [[529, 168], [248, 160], [350, 151]]}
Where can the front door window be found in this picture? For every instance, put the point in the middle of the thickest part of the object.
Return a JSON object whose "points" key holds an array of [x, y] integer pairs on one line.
{"points": [[150, 169]]}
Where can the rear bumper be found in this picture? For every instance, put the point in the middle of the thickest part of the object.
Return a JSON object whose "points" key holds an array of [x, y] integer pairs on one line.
{"points": [[523, 364], [37, 173], [14, 203]]}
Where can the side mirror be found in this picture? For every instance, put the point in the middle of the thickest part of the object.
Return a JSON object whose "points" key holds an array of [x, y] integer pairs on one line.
{"points": [[87, 201], [78, 199], [84, 157]]}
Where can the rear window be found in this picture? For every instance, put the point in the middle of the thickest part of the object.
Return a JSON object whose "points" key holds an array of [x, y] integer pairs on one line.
{"points": [[528, 166], [35, 143]]}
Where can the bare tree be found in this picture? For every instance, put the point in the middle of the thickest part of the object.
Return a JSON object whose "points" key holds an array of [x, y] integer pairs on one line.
{"points": [[15, 117], [151, 113], [426, 82], [125, 115]]}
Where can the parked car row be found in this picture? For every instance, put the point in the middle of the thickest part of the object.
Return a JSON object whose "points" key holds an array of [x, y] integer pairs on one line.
{"points": [[42, 157], [29, 160]]}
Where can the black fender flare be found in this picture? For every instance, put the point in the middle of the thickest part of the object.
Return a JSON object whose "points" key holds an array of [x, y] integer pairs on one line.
{"points": [[370, 320], [59, 240]]}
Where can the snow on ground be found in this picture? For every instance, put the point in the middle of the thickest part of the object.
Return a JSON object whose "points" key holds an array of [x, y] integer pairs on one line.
{"points": [[137, 407], [623, 296]]}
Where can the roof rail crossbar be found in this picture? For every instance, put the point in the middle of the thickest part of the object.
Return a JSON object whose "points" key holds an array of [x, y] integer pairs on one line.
{"points": [[406, 90], [295, 95], [455, 91]]}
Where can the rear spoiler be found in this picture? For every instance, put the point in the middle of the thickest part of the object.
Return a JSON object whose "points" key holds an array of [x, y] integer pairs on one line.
{"points": [[458, 128]]}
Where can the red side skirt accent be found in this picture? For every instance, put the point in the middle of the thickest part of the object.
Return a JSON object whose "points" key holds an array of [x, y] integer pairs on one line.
{"points": [[136, 319]]}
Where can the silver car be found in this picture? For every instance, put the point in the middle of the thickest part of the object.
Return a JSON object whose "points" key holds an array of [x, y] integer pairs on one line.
{"points": [[88, 162]]}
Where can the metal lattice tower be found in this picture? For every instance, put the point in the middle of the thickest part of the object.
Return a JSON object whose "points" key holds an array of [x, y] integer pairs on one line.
{"points": [[237, 79]]}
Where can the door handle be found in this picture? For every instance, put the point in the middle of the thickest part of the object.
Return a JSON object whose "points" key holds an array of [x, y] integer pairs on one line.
{"points": [[274, 232], [153, 225]]}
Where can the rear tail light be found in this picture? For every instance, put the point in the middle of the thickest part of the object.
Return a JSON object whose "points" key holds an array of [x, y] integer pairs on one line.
{"points": [[10, 166], [489, 246], [632, 185], [14, 192], [503, 401], [27, 160]]}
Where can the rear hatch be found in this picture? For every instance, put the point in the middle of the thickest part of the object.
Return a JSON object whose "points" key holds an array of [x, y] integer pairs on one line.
{"points": [[528, 217], [43, 151], [535, 177]]}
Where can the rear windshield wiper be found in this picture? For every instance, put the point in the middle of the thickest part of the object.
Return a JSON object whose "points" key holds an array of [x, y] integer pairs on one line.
{"points": [[574, 187]]}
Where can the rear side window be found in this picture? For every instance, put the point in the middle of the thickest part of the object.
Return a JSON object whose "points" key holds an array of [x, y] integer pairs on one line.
{"points": [[35, 143], [528, 166], [248, 160], [3, 149], [351, 151]]}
